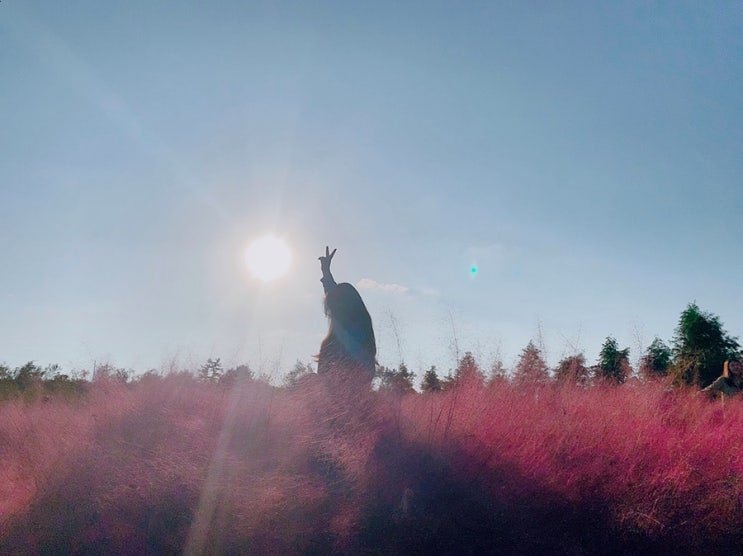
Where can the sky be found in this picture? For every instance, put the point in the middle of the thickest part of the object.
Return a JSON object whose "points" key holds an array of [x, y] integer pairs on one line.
{"points": [[586, 157]]}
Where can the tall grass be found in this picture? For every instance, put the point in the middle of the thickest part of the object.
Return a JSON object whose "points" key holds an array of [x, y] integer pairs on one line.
{"points": [[172, 465]]}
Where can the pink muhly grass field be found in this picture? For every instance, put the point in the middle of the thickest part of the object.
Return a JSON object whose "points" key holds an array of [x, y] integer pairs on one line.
{"points": [[664, 465], [167, 465]]}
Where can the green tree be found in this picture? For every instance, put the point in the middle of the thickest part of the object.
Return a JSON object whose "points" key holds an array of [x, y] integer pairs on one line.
{"points": [[498, 372], [431, 381], [572, 370], [8, 386], [28, 376], [211, 371], [109, 372], [613, 365], [235, 374], [150, 376], [299, 371], [468, 371], [700, 347], [52, 370], [655, 361], [530, 368], [61, 383], [399, 381]]}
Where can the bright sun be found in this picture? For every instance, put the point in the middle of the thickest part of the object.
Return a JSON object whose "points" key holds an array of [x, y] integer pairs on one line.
{"points": [[268, 258]]}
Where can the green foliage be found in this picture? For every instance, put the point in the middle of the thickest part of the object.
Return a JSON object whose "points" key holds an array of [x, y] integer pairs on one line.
{"points": [[431, 381], [498, 373], [700, 347], [572, 370], [28, 376], [299, 371], [613, 365], [8, 387], [62, 384], [531, 367], [468, 371], [399, 381], [656, 360], [237, 374], [150, 376], [109, 372], [30, 382], [211, 371]]}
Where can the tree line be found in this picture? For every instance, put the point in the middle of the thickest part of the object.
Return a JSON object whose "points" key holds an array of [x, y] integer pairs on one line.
{"points": [[694, 357]]}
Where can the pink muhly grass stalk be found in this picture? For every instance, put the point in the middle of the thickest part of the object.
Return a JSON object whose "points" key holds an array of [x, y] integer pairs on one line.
{"points": [[171, 464], [660, 460]]}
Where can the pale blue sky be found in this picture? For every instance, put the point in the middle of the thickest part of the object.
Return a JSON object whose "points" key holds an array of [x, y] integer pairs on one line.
{"points": [[587, 157]]}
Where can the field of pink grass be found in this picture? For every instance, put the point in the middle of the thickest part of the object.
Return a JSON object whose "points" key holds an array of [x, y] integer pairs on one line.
{"points": [[171, 465]]}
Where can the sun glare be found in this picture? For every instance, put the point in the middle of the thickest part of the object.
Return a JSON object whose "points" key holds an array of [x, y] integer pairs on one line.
{"points": [[268, 258]]}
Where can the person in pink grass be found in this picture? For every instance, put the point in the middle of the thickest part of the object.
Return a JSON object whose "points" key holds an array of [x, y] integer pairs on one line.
{"points": [[349, 350], [731, 381]]}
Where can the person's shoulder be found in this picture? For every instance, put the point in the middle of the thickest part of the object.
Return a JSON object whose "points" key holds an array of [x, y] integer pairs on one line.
{"points": [[718, 384], [722, 385], [720, 381]]}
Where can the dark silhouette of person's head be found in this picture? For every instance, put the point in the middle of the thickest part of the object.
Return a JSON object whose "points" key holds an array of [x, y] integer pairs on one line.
{"points": [[349, 350], [344, 306]]}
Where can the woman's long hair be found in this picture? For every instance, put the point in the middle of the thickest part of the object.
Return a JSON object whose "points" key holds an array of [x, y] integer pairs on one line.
{"points": [[350, 346]]}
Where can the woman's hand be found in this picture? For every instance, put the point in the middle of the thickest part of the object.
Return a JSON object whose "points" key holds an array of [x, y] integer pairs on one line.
{"points": [[325, 261]]}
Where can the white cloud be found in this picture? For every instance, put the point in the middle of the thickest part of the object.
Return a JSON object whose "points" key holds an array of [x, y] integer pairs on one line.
{"points": [[369, 284]]}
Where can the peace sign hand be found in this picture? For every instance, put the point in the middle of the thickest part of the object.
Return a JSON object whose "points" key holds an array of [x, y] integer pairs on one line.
{"points": [[325, 261]]}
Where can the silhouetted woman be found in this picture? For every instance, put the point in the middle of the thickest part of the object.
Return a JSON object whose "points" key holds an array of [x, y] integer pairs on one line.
{"points": [[349, 350]]}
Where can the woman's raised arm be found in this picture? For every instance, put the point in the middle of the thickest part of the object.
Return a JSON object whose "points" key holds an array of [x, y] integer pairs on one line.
{"points": [[328, 282]]}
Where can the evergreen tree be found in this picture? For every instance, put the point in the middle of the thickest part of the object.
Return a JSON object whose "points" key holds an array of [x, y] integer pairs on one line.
{"points": [[431, 381], [211, 371], [700, 347], [468, 371], [572, 370], [656, 360], [236, 374], [28, 375], [5, 373], [530, 368], [613, 365], [498, 372], [107, 371], [122, 375], [399, 381], [299, 371], [8, 387]]}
